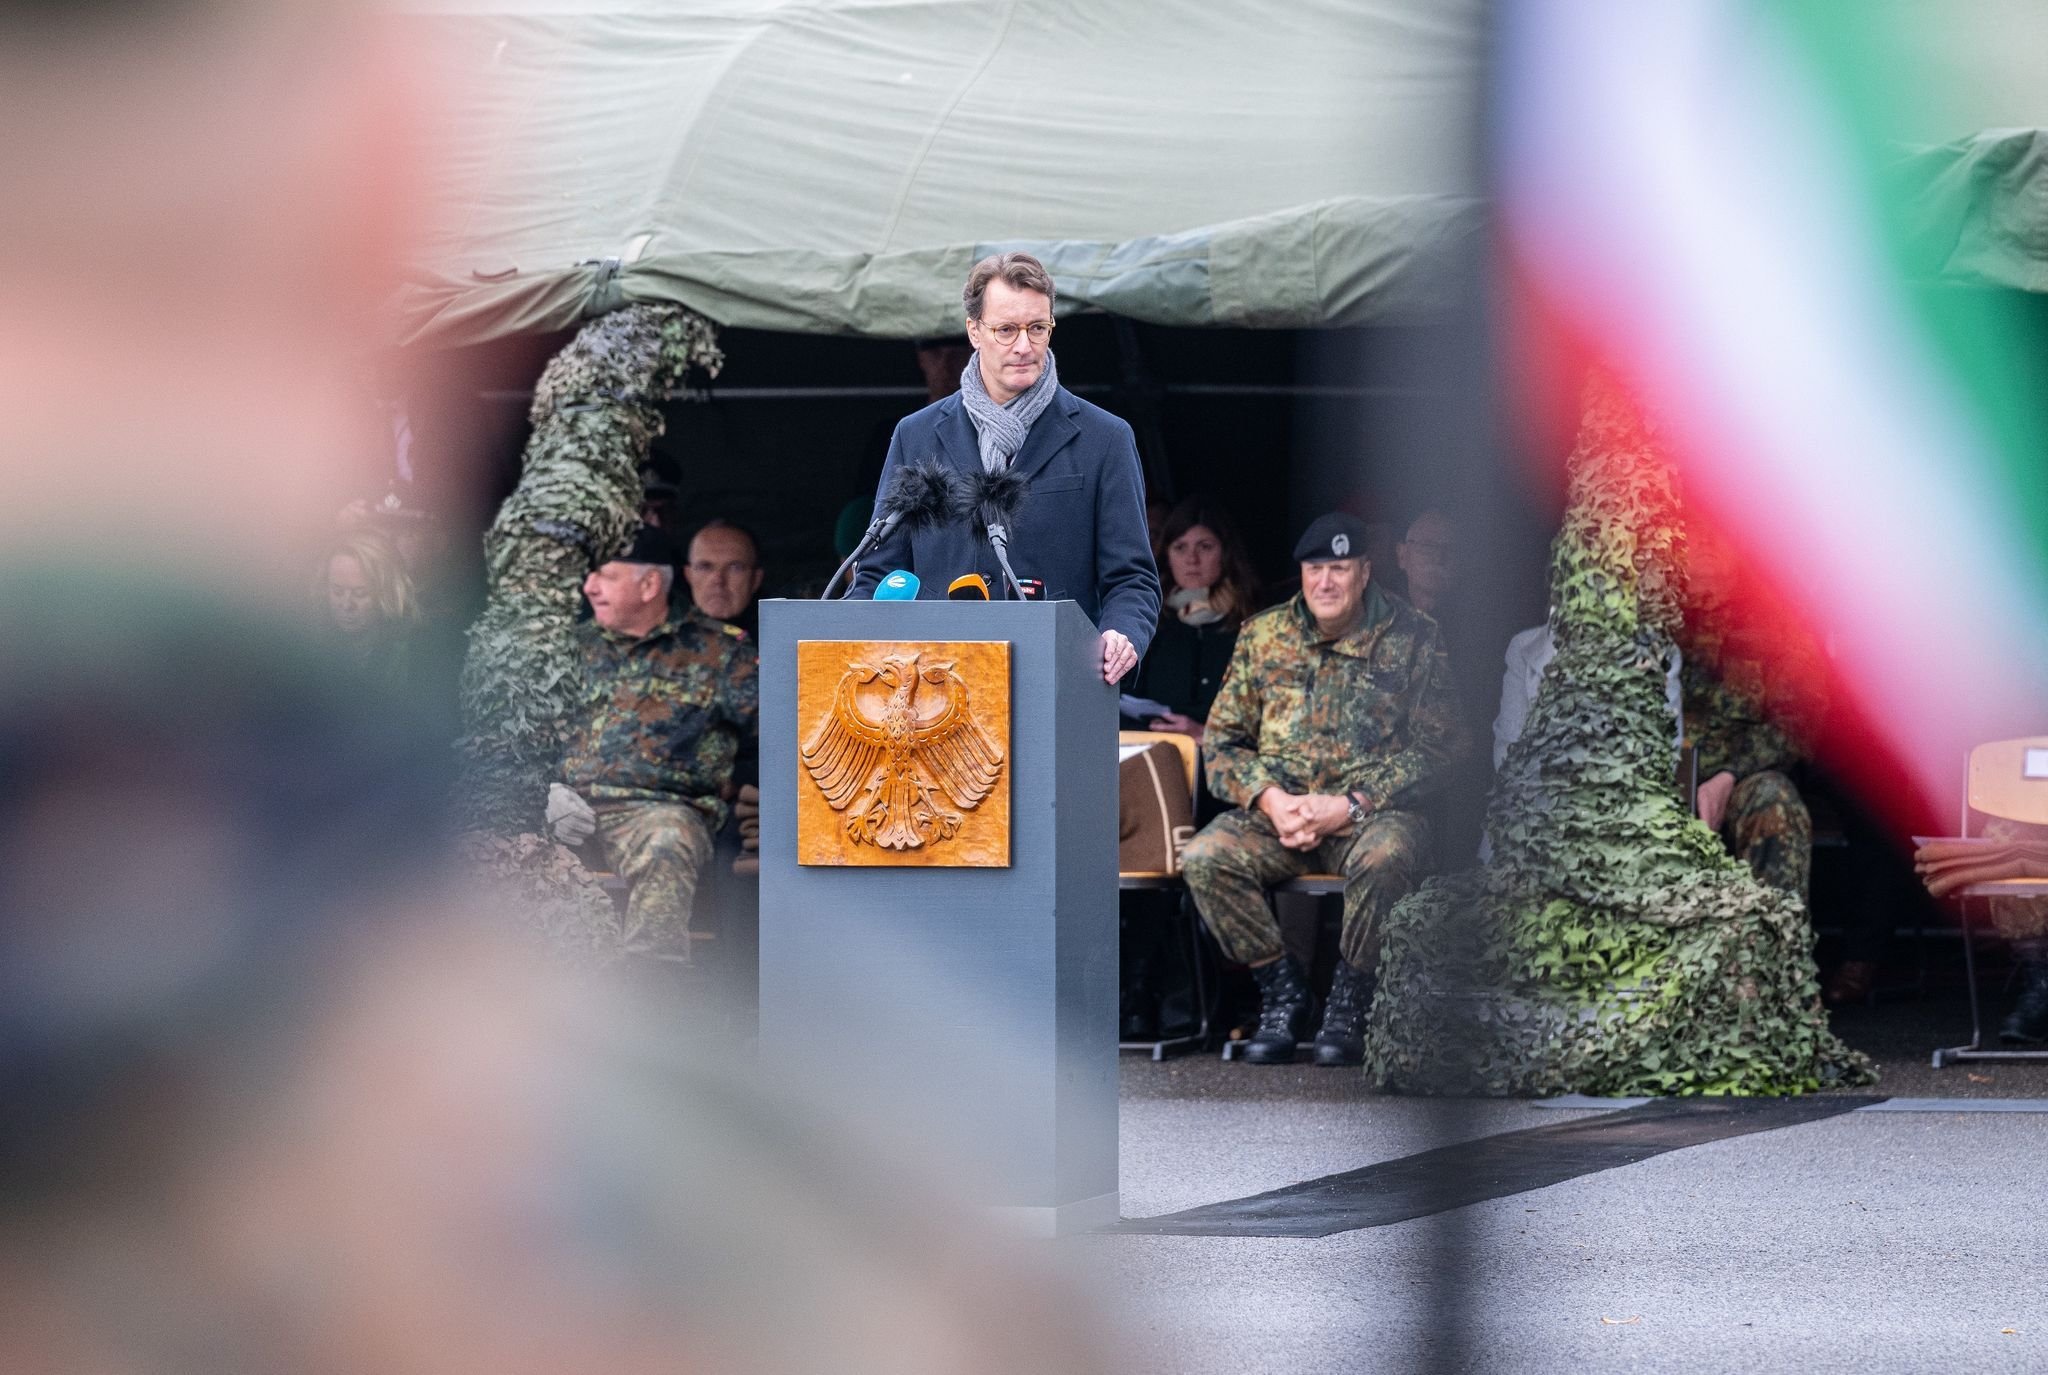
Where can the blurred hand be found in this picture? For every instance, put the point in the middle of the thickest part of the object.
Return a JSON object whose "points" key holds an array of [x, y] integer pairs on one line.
{"points": [[1712, 799], [1948, 866], [1177, 724], [570, 819], [1118, 657]]}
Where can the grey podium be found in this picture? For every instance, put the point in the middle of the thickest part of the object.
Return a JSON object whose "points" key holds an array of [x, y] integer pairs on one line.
{"points": [[975, 1007]]}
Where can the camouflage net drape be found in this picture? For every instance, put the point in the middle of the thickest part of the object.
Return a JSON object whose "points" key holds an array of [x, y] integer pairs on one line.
{"points": [[595, 412], [1611, 946]]}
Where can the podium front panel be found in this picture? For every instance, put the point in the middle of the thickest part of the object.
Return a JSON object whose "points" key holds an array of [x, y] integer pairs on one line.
{"points": [[970, 1006]]}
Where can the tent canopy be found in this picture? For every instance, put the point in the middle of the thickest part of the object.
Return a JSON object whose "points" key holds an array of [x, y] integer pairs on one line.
{"points": [[835, 166]]}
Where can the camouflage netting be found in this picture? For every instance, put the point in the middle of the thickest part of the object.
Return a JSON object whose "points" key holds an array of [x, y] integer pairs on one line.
{"points": [[1611, 946], [595, 412]]}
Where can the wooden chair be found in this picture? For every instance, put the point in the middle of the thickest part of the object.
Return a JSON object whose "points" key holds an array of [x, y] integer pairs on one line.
{"points": [[1164, 879], [2006, 779]]}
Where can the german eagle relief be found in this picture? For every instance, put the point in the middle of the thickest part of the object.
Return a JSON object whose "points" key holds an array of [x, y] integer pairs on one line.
{"points": [[905, 753]]}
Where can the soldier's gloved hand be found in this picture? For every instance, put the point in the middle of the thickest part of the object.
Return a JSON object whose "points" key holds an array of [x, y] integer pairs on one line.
{"points": [[570, 819]]}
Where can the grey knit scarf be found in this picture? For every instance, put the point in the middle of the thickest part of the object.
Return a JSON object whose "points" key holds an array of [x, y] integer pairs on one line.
{"points": [[1001, 430]]}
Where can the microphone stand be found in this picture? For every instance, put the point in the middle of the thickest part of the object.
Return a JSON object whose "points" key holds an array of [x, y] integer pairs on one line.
{"points": [[999, 540], [875, 531]]}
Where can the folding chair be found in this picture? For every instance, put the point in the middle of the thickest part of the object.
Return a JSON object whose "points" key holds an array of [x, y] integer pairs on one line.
{"points": [[2007, 779], [1170, 879]]}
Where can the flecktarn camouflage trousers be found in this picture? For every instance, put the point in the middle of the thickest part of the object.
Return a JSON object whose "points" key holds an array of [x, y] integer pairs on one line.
{"points": [[660, 849], [1768, 827], [1231, 863]]}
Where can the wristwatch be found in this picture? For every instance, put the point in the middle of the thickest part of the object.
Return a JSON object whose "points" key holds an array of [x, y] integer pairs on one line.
{"points": [[1357, 809]]}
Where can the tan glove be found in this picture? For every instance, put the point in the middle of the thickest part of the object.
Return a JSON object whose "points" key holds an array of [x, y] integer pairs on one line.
{"points": [[570, 819]]}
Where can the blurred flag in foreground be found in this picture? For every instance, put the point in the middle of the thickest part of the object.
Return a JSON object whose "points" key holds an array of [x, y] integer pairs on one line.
{"points": [[1719, 201]]}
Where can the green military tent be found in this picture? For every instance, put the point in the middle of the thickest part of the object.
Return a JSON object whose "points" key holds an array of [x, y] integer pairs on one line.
{"points": [[833, 166], [836, 165]]}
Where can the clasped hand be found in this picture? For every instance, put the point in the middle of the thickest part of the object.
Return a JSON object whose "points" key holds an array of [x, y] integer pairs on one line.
{"points": [[1305, 820]]}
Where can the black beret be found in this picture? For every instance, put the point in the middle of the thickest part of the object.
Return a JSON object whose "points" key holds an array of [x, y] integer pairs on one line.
{"points": [[1335, 536], [651, 544]]}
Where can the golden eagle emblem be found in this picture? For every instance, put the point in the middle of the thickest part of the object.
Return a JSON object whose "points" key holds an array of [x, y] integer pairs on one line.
{"points": [[899, 779]]}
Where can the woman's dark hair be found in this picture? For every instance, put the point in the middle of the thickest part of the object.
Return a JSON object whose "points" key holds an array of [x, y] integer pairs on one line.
{"points": [[1239, 586]]}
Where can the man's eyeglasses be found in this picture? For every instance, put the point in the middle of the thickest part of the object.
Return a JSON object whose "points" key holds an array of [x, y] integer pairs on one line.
{"points": [[1006, 335]]}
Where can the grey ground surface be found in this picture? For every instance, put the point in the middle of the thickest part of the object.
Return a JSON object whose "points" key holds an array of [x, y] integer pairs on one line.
{"points": [[1871, 1241]]}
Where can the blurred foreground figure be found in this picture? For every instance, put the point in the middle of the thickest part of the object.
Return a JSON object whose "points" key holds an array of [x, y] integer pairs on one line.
{"points": [[275, 1096], [1611, 945], [272, 1097]]}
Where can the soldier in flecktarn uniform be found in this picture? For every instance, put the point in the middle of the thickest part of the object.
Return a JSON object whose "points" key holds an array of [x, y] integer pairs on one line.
{"points": [[1753, 699], [649, 759], [1336, 720], [1747, 744]]}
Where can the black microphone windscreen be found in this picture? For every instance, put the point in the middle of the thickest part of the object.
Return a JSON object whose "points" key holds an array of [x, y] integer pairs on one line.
{"points": [[997, 495], [924, 493]]}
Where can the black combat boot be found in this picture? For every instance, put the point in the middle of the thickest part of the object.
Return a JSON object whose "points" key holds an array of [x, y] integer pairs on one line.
{"points": [[1342, 1039], [1283, 1012], [2029, 1018]]}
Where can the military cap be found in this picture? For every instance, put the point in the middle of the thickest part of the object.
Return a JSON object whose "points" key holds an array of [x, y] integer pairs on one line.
{"points": [[651, 544], [1334, 536]]}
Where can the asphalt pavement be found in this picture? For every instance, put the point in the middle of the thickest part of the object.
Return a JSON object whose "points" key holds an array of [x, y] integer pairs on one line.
{"points": [[1878, 1239]]}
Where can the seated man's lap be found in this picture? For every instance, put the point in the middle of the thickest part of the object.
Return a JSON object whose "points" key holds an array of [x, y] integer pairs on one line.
{"points": [[1389, 840], [1244, 841], [640, 836]]}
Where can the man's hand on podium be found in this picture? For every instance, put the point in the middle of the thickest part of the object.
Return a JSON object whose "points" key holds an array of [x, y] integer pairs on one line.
{"points": [[1118, 658]]}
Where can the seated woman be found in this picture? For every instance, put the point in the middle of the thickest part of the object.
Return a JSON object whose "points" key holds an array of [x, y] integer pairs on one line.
{"points": [[370, 607], [1212, 593]]}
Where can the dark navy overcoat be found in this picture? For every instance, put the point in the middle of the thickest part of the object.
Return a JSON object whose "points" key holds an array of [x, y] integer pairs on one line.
{"points": [[1081, 527]]}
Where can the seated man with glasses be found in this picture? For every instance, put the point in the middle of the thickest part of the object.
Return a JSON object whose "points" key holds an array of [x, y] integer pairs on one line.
{"points": [[1080, 530]]}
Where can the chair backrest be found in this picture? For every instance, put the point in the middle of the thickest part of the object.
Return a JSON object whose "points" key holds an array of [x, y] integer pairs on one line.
{"points": [[1184, 743], [2009, 779]]}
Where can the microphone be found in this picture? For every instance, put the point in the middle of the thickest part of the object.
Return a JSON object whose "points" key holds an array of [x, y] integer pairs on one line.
{"points": [[968, 587], [899, 586], [993, 499], [921, 494]]}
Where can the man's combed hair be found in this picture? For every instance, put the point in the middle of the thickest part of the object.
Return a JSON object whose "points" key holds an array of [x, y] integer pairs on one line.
{"points": [[665, 572], [1022, 271]]}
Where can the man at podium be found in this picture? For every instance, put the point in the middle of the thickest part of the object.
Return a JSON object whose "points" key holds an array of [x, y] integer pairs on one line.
{"points": [[1079, 528]]}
